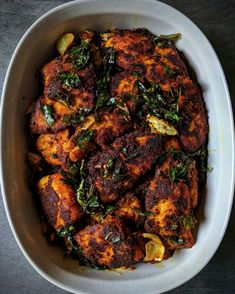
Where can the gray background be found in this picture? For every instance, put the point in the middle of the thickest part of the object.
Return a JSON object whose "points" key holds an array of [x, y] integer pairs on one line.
{"points": [[216, 18]]}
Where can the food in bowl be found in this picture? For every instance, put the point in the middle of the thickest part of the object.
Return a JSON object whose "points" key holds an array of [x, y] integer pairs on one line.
{"points": [[119, 149]]}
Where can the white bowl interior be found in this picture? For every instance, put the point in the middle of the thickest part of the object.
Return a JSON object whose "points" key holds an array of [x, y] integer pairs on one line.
{"points": [[36, 48]]}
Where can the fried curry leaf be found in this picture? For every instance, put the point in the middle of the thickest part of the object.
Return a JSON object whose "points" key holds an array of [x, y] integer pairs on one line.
{"points": [[63, 97], [169, 72], [81, 54], [103, 91], [179, 172], [188, 221], [47, 110], [76, 118], [81, 193], [71, 80], [155, 103], [108, 168], [82, 140]]}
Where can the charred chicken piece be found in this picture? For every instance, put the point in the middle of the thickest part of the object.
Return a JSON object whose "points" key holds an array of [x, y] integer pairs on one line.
{"points": [[58, 201], [109, 244]]}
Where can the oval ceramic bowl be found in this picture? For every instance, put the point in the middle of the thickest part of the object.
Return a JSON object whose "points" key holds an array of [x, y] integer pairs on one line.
{"points": [[37, 47]]}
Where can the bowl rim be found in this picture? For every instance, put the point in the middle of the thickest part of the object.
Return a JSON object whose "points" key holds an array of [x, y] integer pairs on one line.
{"points": [[2, 179]]}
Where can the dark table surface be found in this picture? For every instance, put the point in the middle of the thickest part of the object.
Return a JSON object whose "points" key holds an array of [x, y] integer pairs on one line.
{"points": [[216, 18]]}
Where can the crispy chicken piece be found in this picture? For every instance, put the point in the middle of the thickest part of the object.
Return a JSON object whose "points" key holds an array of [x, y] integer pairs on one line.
{"points": [[112, 172], [59, 149], [130, 47], [109, 244], [134, 42], [62, 114], [62, 82], [129, 210], [123, 86], [38, 122], [107, 127], [172, 203], [193, 128], [165, 65], [58, 201], [51, 147]]}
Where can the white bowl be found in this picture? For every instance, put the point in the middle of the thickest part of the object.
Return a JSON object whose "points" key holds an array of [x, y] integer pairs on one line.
{"points": [[37, 47]]}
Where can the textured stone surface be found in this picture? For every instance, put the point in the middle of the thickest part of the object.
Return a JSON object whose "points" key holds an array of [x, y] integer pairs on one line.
{"points": [[216, 19]]}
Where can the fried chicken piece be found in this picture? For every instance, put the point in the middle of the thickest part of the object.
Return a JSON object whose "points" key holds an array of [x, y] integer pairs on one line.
{"points": [[60, 148], [62, 116], [58, 201], [112, 172], [109, 244], [129, 210], [63, 83], [165, 65], [172, 202], [193, 128], [107, 127], [51, 147], [130, 46], [38, 122], [124, 87], [134, 42]]}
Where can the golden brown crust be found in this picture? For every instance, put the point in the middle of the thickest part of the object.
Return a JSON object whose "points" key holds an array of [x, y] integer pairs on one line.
{"points": [[58, 201], [141, 149], [172, 204], [129, 210], [109, 244]]}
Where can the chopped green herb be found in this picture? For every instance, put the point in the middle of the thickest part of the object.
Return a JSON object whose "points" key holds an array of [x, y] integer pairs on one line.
{"points": [[201, 158], [177, 240], [124, 150], [169, 72], [174, 226], [108, 167], [71, 80], [66, 231], [47, 110], [179, 172], [87, 198], [188, 221], [82, 140]]}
